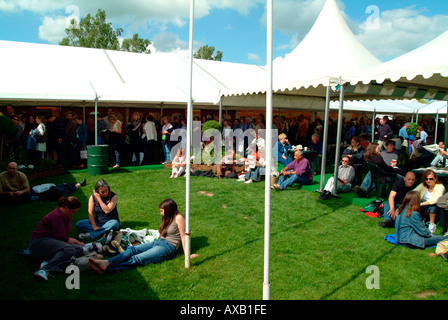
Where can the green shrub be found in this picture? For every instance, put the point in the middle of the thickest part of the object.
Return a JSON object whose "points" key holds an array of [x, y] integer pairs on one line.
{"points": [[412, 128]]}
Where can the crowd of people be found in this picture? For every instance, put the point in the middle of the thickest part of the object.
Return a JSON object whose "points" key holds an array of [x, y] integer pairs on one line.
{"points": [[413, 208]]}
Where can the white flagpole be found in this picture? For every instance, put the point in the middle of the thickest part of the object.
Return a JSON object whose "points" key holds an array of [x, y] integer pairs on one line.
{"points": [[188, 144], [268, 152]]}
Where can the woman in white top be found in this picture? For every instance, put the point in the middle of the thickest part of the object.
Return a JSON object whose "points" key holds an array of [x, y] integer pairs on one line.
{"points": [[430, 190], [178, 165], [40, 147], [150, 140]]}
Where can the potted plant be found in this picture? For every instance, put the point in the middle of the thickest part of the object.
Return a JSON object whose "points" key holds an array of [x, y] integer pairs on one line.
{"points": [[412, 130]]}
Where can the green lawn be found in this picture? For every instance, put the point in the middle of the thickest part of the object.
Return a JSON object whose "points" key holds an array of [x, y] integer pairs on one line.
{"points": [[320, 250]]}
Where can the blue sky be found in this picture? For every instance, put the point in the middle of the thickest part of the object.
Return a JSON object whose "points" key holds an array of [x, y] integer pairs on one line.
{"points": [[236, 27]]}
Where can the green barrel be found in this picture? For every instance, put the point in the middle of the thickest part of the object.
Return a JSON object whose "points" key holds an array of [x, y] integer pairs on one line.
{"points": [[98, 160]]}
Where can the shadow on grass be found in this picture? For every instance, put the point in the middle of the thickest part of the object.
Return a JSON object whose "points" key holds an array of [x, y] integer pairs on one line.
{"points": [[357, 274]]}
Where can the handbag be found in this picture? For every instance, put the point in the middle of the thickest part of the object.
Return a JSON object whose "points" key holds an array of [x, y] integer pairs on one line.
{"points": [[41, 138]]}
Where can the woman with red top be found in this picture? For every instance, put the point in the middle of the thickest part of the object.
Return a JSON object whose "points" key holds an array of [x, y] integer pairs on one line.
{"points": [[50, 241]]}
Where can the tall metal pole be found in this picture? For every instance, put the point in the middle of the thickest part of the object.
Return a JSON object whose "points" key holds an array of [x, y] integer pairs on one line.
{"points": [[268, 152], [325, 142], [188, 145], [338, 137]]}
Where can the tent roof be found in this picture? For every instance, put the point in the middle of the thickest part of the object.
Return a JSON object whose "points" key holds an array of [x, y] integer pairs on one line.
{"points": [[421, 74], [59, 73], [329, 50]]}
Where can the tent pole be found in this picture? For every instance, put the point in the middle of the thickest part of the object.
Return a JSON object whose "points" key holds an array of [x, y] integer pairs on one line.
{"points": [[268, 153], [437, 125], [325, 142], [338, 138], [188, 145], [372, 139]]}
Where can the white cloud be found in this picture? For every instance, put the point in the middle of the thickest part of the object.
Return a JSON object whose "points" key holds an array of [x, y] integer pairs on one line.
{"points": [[400, 31], [254, 57], [53, 29]]}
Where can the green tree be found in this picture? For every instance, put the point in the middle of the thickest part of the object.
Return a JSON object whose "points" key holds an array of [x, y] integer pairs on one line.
{"points": [[206, 52], [136, 44], [95, 32]]}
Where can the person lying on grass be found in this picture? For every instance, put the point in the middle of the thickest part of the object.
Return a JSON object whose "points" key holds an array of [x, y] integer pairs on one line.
{"points": [[172, 232]]}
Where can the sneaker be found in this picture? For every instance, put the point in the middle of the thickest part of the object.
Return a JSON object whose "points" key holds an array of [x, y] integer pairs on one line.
{"points": [[249, 181], [445, 256], [277, 187], [83, 182], [41, 274], [432, 227], [83, 236]]}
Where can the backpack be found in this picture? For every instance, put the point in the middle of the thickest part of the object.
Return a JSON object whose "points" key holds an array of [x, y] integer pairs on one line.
{"points": [[375, 206], [441, 248]]}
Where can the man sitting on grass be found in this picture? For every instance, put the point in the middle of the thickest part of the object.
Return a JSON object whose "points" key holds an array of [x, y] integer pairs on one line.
{"points": [[297, 171], [14, 186]]}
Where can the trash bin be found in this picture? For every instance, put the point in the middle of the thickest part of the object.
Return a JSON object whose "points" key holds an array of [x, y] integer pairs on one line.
{"points": [[98, 160]]}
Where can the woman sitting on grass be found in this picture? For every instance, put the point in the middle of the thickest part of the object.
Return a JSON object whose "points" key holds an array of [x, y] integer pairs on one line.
{"points": [[410, 230], [430, 190], [172, 232], [50, 241], [103, 213], [178, 165]]}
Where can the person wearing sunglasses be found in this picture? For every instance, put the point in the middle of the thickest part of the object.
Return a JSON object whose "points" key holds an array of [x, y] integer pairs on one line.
{"points": [[430, 190], [346, 178]]}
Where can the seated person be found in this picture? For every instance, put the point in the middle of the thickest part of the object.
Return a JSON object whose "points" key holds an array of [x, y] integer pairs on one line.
{"points": [[431, 190], [421, 157], [346, 177], [297, 171], [316, 145], [364, 140], [172, 235], [410, 230], [396, 196], [390, 153], [14, 186], [283, 146], [50, 241], [103, 213], [442, 208], [178, 165], [255, 166], [356, 155], [227, 163], [373, 155], [440, 157]]}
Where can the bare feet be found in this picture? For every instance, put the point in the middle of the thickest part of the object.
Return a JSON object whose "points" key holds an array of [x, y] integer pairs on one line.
{"points": [[99, 266]]}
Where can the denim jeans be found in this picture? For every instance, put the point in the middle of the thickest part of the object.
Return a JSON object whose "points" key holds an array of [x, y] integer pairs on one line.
{"points": [[368, 184], [387, 208], [287, 181], [253, 174], [86, 226], [150, 252], [167, 151]]}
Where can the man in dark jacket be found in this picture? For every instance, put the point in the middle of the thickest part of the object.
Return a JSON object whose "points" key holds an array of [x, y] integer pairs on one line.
{"points": [[57, 139]]}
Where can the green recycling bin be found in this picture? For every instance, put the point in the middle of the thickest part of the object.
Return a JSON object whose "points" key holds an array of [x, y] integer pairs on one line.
{"points": [[98, 160]]}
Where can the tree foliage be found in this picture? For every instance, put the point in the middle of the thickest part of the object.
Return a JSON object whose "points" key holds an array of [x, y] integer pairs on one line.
{"points": [[95, 32], [206, 52]]}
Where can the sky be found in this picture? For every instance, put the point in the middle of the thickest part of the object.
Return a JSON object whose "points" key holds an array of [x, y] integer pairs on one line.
{"points": [[236, 27]]}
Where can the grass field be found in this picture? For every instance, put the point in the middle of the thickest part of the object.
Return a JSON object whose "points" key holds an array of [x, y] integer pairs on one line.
{"points": [[320, 250]]}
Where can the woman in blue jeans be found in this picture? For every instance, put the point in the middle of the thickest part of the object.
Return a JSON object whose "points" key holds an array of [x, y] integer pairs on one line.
{"points": [[103, 213], [172, 232], [410, 230]]}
